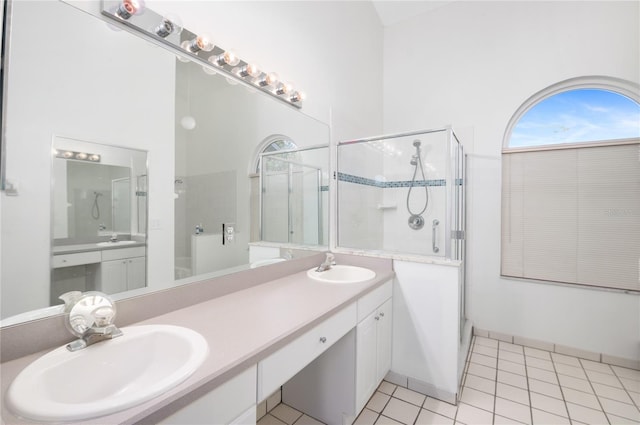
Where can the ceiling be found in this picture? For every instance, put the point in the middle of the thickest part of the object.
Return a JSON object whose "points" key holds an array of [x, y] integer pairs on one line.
{"points": [[393, 11]]}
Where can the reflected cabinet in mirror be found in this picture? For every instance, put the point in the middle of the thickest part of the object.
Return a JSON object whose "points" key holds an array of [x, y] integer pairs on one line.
{"points": [[176, 193]]}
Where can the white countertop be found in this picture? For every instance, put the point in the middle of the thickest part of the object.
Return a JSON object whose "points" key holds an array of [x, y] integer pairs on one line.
{"points": [[241, 328], [85, 247]]}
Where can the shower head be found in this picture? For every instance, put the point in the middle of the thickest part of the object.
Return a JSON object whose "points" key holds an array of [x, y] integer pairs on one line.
{"points": [[417, 143]]}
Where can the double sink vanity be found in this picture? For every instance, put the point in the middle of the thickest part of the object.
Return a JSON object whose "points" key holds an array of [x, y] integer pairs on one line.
{"points": [[286, 331]]}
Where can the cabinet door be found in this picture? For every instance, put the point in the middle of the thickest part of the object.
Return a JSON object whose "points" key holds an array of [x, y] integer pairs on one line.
{"points": [[113, 276], [136, 273], [384, 340], [366, 348]]}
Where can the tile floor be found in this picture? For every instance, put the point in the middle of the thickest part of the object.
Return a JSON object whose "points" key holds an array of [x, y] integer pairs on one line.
{"points": [[507, 384]]}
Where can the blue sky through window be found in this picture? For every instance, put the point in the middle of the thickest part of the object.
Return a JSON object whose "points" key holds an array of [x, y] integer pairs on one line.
{"points": [[582, 115]]}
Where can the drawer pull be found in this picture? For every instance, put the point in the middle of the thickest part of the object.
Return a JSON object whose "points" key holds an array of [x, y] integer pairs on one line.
{"points": [[381, 314], [377, 317], [323, 339]]}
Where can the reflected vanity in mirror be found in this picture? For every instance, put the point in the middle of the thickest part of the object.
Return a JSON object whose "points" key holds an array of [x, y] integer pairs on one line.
{"points": [[99, 218], [201, 132]]}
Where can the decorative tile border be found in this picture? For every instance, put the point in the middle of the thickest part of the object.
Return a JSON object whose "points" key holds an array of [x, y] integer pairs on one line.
{"points": [[349, 178]]}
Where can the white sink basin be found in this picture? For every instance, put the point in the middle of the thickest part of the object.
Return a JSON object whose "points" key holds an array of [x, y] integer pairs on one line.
{"points": [[342, 274], [108, 376], [118, 243]]}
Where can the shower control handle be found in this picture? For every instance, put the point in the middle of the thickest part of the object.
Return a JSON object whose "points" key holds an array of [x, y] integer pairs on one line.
{"points": [[434, 234]]}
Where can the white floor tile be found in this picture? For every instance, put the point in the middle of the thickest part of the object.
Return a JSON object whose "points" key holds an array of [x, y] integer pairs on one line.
{"points": [[383, 420], [635, 397], [549, 404], [510, 347], [483, 360], [478, 399], [545, 388], [270, 420], [604, 378], [542, 375], [480, 384], [586, 415], [540, 363], [564, 359], [574, 383], [285, 413], [630, 384], [473, 416], [378, 401], [308, 420], [542, 417], [387, 387], [540, 354], [409, 396], [611, 393], [440, 407], [596, 366], [427, 417], [617, 420], [273, 400], [576, 372], [487, 342], [482, 371], [501, 420], [367, 417], [487, 351], [581, 398], [516, 394], [401, 411], [512, 379], [624, 372], [511, 356], [620, 409], [511, 367], [512, 410]]}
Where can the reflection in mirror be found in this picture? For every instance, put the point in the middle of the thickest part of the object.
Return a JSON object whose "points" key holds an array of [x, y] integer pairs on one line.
{"points": [[98, 207], [294, 196], [203, 136]]}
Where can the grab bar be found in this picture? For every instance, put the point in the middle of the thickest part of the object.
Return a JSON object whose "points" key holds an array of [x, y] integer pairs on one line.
{"points": [[434, 227]]}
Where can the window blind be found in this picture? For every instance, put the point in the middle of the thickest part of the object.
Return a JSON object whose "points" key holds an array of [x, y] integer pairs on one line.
{"points": [[572, 215]]}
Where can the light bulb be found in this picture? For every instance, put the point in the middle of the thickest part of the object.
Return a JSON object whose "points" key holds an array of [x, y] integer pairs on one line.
{"points": [[81, 155], [298, 96], [68, 154], [283, 88], [249, 70], [201, 42], [188, 122], [169, 25], [94, 158], [128, 8], [226, 58], [269, 79]]}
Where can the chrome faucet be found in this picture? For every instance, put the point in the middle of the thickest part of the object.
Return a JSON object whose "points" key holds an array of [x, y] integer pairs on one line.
{"points": [[113, 238], [328, 262], [90, 317]]}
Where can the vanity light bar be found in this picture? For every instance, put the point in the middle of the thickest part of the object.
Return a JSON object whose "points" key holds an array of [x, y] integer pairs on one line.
{"points": [[80, 156], [199, 47]]}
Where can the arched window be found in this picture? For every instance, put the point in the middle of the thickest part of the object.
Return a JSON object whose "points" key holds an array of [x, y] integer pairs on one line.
{"points": [[273, 143], [571, 185]]}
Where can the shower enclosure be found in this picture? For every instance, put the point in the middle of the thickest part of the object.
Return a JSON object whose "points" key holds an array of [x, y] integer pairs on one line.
{"points": [[290, 200], [403, 194]]}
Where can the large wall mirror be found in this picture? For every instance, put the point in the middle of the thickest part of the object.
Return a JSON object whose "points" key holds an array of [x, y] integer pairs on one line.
{"points": [[181, 202]]}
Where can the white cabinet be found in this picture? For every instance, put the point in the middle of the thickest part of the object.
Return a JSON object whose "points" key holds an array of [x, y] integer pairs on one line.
{"points": [[122, 270], [233, 402], [373, 346], [280, 366]]}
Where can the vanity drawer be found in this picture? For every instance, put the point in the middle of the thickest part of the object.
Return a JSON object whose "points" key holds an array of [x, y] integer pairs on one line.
{"points": [[78, 259], [373, 299], [120, 253], [282, 365]]}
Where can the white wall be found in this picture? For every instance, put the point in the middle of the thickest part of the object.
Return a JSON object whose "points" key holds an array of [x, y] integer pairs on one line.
{"points": [[472, 64]]}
